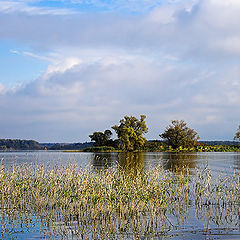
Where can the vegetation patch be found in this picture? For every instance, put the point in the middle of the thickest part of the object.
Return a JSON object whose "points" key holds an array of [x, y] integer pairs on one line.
{"points": [[113, 203], [158, 146], [100, 149]]}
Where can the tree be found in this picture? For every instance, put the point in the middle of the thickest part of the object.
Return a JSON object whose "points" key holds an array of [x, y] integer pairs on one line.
{"points": [[237, 135], [100, 138], [178, 134], [130, 133]]}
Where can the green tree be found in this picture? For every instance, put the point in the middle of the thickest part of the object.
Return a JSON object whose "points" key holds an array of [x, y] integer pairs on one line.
{"points": [[237, 135], [100, 138], [178, 134], [130, 133]]}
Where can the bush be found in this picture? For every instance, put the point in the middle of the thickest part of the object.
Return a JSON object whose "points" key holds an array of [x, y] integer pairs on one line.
{"points": [[100, 149]]}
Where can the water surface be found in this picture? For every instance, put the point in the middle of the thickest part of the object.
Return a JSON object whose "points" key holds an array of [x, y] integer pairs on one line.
{"points": [[206, 224]]}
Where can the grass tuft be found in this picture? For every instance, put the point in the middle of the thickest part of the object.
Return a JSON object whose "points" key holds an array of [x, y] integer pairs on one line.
{"points": [[111, 203]]}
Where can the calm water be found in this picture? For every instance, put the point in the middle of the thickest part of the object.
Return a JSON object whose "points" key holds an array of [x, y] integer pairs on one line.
{"points": [[194, 226], [219, 163]]}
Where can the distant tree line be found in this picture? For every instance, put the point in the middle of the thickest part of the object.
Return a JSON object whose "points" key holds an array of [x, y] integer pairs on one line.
{"points": [[226, 143], [71, 146], [17, 144]]}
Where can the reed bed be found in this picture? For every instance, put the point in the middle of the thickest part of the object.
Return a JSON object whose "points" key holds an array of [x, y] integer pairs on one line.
{"points": [[112, 204]]}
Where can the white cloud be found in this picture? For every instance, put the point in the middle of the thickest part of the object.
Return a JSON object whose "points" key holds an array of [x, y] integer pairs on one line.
{"points": [[9, 7], [61, 67], [2, 88], [87, 96], [14, 51], [186, 29], [179, 61], [33, 55]]}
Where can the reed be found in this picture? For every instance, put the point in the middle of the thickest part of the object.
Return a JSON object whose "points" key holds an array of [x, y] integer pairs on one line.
{"points": [[113, 203]]}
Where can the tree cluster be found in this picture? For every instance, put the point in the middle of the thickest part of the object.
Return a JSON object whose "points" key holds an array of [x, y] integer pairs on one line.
{"points": [[178, 134], [130, 133], [102, 138]]}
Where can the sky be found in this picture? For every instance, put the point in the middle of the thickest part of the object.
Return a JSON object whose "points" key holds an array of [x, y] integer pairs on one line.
{"points": [[72, 67]]}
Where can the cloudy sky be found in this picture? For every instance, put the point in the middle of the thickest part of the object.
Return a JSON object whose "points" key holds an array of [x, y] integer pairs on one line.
{"points": [[71, 67]]}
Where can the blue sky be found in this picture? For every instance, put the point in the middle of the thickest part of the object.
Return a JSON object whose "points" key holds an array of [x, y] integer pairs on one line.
{"points": [[131, 6], [17, 66], [69, 68]]}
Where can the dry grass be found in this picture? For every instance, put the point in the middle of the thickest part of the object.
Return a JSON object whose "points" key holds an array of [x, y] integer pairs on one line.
{"points": [[111, 203]]}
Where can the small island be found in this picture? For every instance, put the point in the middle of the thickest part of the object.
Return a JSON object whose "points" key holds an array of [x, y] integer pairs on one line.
{"points": [[176, 138]]}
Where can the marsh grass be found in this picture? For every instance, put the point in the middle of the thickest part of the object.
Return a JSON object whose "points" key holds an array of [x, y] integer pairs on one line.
{"points": [[113, 203]]}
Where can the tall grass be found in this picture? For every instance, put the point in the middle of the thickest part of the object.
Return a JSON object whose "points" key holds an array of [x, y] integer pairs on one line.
{"points": [[111, 203]]}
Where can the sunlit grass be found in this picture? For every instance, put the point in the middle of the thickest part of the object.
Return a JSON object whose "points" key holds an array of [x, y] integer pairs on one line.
{"points": [[111, 203]]}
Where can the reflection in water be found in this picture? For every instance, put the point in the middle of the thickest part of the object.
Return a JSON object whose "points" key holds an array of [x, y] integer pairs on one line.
{"points": [[177, 161], [125, 161], [132, 162], [236, 159], [217, 162], [103, 160], [140, 161]]}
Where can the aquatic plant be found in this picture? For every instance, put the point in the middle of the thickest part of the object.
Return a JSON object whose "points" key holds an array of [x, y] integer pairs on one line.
{"points": [[112, 203]]}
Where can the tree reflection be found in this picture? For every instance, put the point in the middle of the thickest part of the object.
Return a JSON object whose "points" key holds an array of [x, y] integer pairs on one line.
{"points": [[177, 161], [126, 161], [129, 161], [132, 162], [236, 158], [104, 160]]}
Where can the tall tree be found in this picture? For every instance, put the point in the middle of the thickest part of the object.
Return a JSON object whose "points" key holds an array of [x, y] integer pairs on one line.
{"points": [[237, 135], [100, 138], [178, 134], [130, 133]]}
